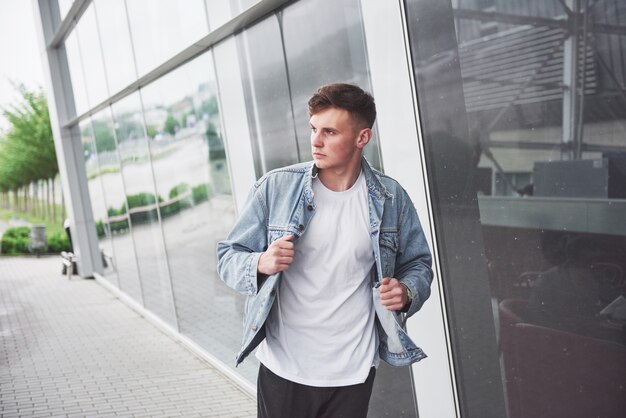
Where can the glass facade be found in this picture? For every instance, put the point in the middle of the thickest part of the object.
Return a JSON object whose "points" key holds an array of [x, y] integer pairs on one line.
{"points": [[287, 57], [521, 106], [523, 119]]}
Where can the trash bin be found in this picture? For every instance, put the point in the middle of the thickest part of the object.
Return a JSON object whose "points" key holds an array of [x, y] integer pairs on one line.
{"points": [[38, 242]]}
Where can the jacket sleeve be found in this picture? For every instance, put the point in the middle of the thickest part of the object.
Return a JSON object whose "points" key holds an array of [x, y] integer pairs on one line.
{"points": [[238, 255], [414, 260]]}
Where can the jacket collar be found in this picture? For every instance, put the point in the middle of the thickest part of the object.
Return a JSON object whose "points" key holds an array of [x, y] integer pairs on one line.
{"points": [[372, 179]]}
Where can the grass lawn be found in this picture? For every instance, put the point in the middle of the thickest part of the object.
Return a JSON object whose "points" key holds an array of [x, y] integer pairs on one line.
{"points": [[51, 227]]}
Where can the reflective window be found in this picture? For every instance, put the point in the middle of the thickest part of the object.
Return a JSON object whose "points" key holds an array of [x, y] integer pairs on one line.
{"points": [[162, 28], [143, 207], [124, 260], [64, 7], [74, 62], [287, 57], [91, 53], [193, 185], [239, 6], [323, 48], [116, 45], [98, 201], [266, 86], [524, 118]]}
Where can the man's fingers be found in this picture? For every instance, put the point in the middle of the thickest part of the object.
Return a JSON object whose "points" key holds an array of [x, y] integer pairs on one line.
{"points": [[284, 242]]}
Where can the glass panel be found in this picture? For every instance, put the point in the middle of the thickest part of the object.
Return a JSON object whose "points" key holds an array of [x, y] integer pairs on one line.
{"points": [[98, 202], [74, 62], [110, 170], [162, 28], [324, 48], [524, 123], [191, 175], [116, 45], [266, 87], [91, 54], [142, 203], [280, 78], [238, 6], [64, 7]]}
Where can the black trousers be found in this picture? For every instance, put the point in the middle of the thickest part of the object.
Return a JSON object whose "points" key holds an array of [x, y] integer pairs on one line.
{"points": [[281, 398]]}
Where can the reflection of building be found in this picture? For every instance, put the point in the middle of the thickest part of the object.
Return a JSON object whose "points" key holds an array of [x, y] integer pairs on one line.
{"points": [[475, 98]]}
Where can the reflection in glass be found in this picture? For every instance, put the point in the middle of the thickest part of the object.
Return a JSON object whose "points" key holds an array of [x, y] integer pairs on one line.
{"points": [[324, 48], [162, 28], [266, 86], [281, 55], [238, 6], [539, 149], [116, 45], [91, 54], [64, 7], [98, 201], [142, 203], [114, 198], [74, 63], [193, 185]]}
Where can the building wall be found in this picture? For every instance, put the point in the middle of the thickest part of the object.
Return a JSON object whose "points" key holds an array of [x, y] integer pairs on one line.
{"points": [[165, 113]]}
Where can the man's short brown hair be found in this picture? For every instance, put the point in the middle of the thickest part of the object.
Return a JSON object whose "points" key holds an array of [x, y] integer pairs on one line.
{"points": [[359, 103]]}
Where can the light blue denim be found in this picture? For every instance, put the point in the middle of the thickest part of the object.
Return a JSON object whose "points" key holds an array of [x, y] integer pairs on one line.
{"points": [[281, 203]]}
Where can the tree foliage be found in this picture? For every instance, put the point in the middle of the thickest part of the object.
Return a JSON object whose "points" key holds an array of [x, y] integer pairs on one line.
{"points": [[27, 149]]}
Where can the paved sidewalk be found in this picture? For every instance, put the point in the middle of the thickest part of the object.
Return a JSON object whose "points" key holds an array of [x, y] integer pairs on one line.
{"points": [[69, 348]]}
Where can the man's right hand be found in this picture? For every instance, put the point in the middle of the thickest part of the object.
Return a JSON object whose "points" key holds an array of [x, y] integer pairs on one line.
{"points": [[278, 257]]}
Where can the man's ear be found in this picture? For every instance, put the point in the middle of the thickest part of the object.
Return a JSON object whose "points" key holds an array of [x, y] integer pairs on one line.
{"points": [[364, 137]]}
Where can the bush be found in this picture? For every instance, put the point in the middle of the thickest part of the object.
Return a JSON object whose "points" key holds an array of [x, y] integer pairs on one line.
{"points": [[200, 193], [139, 200], [17, 232], [15, 240], [100, 229], [58, 242]]}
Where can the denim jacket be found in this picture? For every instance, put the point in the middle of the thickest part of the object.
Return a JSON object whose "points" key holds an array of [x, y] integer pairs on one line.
{"points": [[281, 203]]}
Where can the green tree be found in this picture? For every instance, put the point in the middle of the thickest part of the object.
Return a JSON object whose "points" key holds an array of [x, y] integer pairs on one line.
{"points": [[103, 132], [27, 151], [171, 124]]}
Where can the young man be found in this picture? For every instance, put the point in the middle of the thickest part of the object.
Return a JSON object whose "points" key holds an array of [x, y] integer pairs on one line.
{"points": [[329, 253]]}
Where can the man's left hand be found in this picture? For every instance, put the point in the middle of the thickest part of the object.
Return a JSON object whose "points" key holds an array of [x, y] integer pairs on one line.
{"points": [[393, 295]]}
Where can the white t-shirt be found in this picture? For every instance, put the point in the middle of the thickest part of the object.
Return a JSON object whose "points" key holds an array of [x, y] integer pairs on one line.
{"points": [[320, 331]]}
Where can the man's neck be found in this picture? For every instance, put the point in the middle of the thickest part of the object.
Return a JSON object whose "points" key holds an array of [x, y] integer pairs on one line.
{"points": [[339, 181]]}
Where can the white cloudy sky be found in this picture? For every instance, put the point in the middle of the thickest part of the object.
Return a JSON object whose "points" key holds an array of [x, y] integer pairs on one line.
{"points": [[19, 51]]}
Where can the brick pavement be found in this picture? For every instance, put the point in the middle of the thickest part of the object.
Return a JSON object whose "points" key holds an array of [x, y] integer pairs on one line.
{"points": [[69, 348]]}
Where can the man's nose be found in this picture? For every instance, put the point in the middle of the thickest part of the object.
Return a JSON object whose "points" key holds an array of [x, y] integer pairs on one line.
{"points": [[316, 140]]}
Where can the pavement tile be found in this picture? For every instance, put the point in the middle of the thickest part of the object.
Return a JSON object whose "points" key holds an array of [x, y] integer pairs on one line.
{"points": [[73, 350]]}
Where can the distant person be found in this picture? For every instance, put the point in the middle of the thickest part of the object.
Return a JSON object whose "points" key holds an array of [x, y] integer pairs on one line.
{"points": [[329, 253]]}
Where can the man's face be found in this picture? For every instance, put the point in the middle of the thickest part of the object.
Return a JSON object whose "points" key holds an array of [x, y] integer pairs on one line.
{"points": [[336, 141]]}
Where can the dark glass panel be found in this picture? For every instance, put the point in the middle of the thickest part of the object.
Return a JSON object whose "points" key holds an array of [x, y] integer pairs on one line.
{"points": [[523, 117]]}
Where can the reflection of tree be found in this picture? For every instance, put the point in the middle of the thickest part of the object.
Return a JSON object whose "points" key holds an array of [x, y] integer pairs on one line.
{"points": [[209, 107], [152, 131], [104, 136], [216, 146], [171, 125]]}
